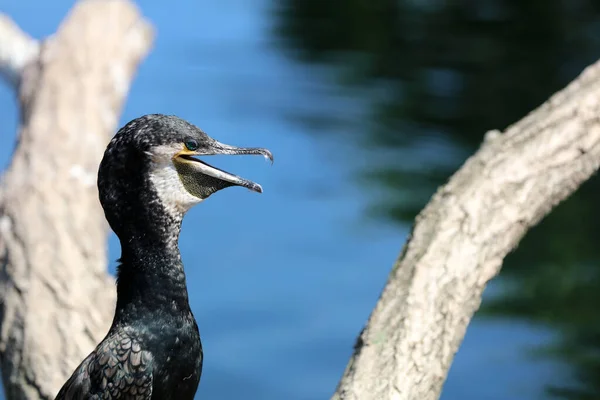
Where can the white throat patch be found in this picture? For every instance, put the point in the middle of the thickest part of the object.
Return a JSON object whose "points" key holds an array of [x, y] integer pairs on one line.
{"points": [[166, 181]]}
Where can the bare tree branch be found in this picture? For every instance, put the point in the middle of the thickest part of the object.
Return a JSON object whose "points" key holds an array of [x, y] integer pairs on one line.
{"points": [[17, 49], [56, 298], [459, 240]]}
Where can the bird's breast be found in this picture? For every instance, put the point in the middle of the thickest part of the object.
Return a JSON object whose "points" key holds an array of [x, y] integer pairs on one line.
{"points": [[179, 360]]}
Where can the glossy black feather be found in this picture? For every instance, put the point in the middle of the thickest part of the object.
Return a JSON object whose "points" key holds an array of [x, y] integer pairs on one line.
{"points": [[117, 369]]}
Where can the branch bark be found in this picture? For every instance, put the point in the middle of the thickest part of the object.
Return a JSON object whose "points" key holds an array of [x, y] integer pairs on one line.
{"points": [[17, 50], [460, 238], [56, 297]]}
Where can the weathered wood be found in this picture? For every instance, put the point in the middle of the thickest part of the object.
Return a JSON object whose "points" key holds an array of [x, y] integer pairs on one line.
{"points": [[56, 297], [459, 240]]}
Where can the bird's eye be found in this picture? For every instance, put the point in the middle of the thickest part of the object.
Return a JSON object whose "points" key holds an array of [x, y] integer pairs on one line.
{"points": [[191, 144]]}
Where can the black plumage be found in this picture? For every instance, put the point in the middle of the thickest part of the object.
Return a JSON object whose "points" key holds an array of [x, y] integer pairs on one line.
{"points": [[147, 180]]}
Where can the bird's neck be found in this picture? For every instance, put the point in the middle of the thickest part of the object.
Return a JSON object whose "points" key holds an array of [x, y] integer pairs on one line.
{"points": [[151, 276]]}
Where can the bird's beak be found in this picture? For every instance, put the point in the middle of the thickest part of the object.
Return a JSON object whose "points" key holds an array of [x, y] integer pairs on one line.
{"points": [[186, 160]]}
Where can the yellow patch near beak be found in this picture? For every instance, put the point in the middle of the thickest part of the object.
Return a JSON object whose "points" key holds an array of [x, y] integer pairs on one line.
{"points": [[185, 152]]}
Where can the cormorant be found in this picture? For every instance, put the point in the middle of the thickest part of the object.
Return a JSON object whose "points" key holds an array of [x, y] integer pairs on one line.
{"points": [[147, 180]]}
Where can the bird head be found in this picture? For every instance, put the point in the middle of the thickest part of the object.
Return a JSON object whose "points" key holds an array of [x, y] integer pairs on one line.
{"points": [[154, 158]]}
